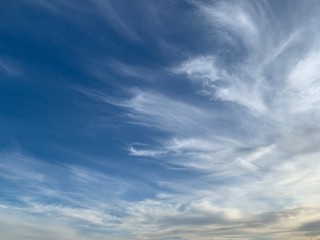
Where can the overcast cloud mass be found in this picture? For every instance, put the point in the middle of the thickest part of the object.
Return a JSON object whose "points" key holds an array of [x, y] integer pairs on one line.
{"points": [[159, 120]]}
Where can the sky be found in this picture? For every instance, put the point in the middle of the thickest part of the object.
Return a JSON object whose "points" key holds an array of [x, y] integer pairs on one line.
{"points": [[159, 120]]}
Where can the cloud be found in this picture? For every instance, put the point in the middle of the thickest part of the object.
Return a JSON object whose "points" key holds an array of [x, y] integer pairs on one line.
{"points": [[83, 15], [204, 71], [158, 111], [10, 67], [168, 114], [138, 150], [271, 77], [272, 86], [197, 208], [237, 22], [238, 156]]}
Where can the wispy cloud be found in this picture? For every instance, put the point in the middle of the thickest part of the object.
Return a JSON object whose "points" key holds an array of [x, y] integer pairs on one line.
{"points": [[110, 14], [10, 67], [275, 76], [271, 88], [193, 210], [238, 152]]}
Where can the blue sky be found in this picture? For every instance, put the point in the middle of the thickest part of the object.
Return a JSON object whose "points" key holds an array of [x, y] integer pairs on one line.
{"points": [[159, 120]]}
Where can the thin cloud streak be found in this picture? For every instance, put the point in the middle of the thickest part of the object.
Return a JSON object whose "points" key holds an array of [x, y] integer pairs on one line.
{"points": [[10, 67]]}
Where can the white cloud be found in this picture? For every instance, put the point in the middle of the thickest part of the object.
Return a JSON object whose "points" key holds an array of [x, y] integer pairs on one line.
{"points": [[275, 81], [235, 21], [201, 69], [238, 86], [196, 207], [139, 150], [272, 76], [251, 171], [165, 113]]}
